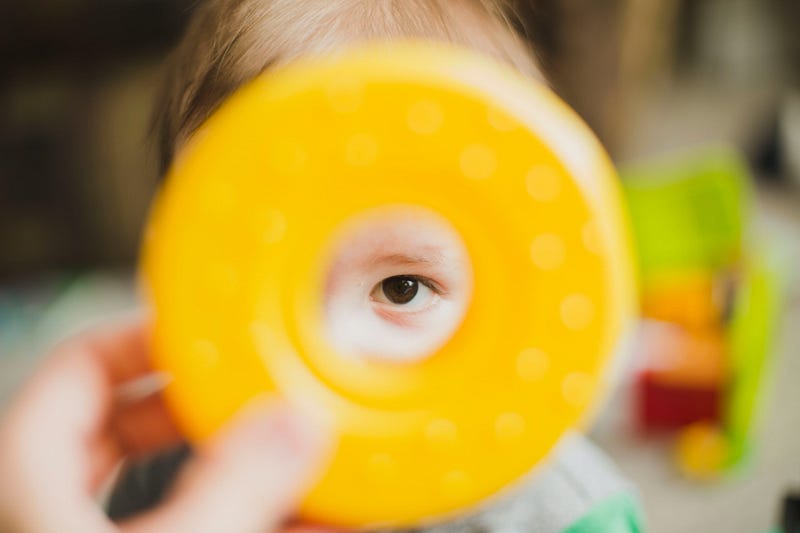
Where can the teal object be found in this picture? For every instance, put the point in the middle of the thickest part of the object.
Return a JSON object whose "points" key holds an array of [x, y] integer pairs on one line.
{"points": [[617, 514], [688, 212]]}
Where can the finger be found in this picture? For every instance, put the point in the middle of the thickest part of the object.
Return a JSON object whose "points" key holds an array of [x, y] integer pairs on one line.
{"points": [[298, 526], [121, 349], [248, 479], [136, 430], [69, 399], [114, 358], [105, 455], [309, 529], [84, 369], [145, 426], [56, 441]]}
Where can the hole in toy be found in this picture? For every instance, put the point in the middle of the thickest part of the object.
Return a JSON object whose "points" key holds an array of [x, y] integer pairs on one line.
{"points": [[398, 285]]}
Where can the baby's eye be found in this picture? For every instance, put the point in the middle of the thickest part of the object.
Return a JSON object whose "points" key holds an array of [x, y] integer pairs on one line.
{"points": [[407, 291]]}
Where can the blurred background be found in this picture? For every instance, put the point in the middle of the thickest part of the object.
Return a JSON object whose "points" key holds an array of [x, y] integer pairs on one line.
{"points": [[652, 78]]}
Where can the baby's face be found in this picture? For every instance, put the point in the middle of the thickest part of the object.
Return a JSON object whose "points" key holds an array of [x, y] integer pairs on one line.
{"points": [[398, 286]]}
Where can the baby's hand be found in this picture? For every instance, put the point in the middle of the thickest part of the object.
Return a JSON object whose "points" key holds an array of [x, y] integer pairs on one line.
{"points": [[68, 429]]}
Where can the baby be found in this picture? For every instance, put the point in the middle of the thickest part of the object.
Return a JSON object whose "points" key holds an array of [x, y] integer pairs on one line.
{"points": [[397, 287], [399, 283]]}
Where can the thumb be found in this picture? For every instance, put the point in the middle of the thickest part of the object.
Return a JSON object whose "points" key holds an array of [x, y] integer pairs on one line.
{"points": [[248, 479]]}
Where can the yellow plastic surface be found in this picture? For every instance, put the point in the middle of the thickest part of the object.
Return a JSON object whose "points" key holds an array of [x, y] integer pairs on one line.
{"points": [[702, 451], [234, 260]]}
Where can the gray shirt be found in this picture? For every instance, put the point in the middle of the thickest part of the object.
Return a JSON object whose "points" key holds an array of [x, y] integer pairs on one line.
{"points": [[554, 496]]}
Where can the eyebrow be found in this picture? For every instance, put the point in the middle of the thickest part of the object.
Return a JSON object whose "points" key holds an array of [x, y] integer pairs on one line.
{"points": [[401, 259]]}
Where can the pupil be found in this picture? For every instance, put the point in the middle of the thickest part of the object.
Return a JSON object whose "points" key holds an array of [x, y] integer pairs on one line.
{"points": [[400, 289]]}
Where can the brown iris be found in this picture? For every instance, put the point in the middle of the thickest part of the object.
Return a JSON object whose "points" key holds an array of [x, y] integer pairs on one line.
{"points": [[400, 289]]}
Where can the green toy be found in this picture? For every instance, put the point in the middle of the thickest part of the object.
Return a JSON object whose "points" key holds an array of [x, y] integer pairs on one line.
{"points": [[690, 214]]}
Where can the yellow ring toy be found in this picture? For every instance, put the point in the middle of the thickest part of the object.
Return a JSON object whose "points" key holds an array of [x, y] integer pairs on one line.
{"points": [[237, 236]]}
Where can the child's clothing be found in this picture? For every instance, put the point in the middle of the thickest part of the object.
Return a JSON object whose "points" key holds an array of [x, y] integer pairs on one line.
{"points": [[578, 491]]}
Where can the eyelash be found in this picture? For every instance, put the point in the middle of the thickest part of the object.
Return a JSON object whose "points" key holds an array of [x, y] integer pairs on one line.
{"points": [[406, 317], [428, 282]]}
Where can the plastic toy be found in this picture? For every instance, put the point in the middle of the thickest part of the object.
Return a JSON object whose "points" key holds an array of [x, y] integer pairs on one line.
{"points": [[689, 213], [704, 374], [235, 255], [684, 378]]}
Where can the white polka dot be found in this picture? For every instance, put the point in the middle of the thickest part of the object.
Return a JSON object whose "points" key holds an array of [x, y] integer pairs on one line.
{"points": [[425, 117], [289, 158], [442, 433], [456, 484], [477, 162], [577, 388], [577, 311], [361, 150], [345, 95], [548, 251], [591, 236], [509, 426], [381, 467], [222, 278], [218, 196], [500, 119], [263, 336], [543, 183], [532, 364], [272, 227], [206, 352]]}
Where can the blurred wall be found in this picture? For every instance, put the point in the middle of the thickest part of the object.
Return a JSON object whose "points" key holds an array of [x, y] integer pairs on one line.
{"points": [[76, 85]]}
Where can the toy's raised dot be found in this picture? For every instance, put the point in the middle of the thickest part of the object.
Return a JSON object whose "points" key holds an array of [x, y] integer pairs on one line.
{"points": [[509, 426], [499, 119], [222, 278], [289, 157], [441, 433], [345, 95], [271, 225], [548, 251], [206, 352], [591, 237], [477, 162], [217, 196], [381, 466], [577, 311], [577, 388], [425, 117], [263, 335], [361, 150], [456, 483], [532, 364], [543, 183]]}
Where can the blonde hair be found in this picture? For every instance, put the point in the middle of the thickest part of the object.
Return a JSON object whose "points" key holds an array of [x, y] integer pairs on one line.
{"points": [[230, 42]]}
